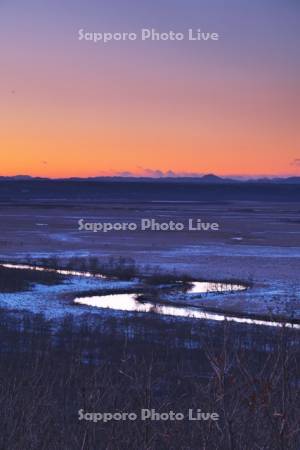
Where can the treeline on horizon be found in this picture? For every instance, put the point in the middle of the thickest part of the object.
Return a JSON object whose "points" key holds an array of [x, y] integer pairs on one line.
{"points": [[208, 178]]}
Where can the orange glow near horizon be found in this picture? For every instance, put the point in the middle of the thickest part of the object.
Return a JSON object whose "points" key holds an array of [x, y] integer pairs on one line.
{"points": [[107, 130], [77, 109], [58, 142]]}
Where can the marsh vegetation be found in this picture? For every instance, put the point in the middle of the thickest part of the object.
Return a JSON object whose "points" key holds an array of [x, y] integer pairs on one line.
{"points": [[248, 376]]}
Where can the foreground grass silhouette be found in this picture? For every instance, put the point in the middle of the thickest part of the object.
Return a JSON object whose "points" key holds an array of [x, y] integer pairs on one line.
{"points": [[248, 375]]}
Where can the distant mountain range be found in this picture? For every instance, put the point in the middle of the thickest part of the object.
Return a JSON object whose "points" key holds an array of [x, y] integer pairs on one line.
{"points": [[205, 179]]}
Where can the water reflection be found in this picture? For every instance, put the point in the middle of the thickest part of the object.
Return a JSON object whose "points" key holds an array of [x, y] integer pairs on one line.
{"points": [[200, 287], [130, 302], [197, 287], [76, 273]]}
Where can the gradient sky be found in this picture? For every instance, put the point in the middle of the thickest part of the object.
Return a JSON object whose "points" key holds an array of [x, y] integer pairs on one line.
{"points": [[70, 108]]}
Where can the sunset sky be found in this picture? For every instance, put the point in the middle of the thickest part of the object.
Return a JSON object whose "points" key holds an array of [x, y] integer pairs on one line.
{"points": [[76, 108]]}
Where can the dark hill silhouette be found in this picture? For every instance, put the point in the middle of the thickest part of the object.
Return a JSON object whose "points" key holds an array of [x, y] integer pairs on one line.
{"points": [[208, 178]]}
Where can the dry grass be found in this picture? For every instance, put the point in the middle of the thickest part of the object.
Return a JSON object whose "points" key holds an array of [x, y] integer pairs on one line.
{"points": [[250, 378]]}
